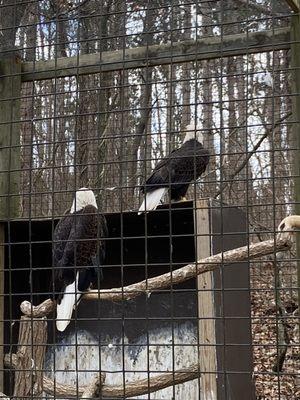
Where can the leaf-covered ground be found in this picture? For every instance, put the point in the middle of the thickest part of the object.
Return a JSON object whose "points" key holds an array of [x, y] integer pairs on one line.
{"points": [[269, 332]]}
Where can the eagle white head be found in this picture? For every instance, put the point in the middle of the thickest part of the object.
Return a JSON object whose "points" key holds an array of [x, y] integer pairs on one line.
{"points": [[83, 197], [193, 132]]}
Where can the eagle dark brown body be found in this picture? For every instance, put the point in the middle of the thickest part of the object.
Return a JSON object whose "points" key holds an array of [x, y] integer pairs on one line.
{"points": [[77, 243], [77, 239]]}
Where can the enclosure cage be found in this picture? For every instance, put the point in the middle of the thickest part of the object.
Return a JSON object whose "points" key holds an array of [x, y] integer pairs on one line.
{"points": [[199, 297]]}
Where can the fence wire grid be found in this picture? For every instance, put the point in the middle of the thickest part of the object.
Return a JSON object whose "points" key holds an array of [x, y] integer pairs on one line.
{"points": [[94, 94]]}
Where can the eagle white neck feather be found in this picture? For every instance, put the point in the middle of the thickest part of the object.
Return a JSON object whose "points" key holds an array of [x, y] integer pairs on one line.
{"points": [[83, 197]]}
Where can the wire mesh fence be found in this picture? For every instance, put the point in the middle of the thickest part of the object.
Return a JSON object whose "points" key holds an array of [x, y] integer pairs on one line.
{"points": [[102, 95]]}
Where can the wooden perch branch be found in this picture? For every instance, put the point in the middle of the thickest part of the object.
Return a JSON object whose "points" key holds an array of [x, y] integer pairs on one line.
{"points": [[137, 387], [189, 271], [41, 310]]}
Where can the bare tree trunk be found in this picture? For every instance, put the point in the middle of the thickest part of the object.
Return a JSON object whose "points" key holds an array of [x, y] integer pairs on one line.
{"points": [[27, 115], [207, 70], [115, 145], [232, 149], [232, 145], [141, 135], [172, 103], [104, 82], [186, 74], [243, 185], [278, 164], [84, 108], [272, 113], [61, 179]]}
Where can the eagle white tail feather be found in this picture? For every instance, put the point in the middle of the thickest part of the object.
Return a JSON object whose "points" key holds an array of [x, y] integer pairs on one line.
{"points": [[64, 310], [152, 200]]}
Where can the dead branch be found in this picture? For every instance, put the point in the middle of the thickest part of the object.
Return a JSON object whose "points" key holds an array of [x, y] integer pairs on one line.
{"points": [[137, 387], [282, 243], [250, 153], [41, 310]]}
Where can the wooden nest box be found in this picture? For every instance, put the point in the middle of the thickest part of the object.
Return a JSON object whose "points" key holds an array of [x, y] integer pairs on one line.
{"points": [[206, 319]]}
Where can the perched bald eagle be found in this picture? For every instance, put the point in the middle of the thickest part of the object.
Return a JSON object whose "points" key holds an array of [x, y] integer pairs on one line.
{"points": [[176, 171], [77, 243]]}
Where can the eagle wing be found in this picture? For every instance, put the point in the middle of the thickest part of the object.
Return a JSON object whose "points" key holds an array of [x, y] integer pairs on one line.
{"points": [[188, 163], [181, 166], [61, 232], [76, 243], [160, 173], [102, 233]]}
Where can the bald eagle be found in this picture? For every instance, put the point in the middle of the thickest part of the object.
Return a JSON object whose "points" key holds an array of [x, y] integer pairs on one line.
{"points": [[176, 171], [77, 243]]}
